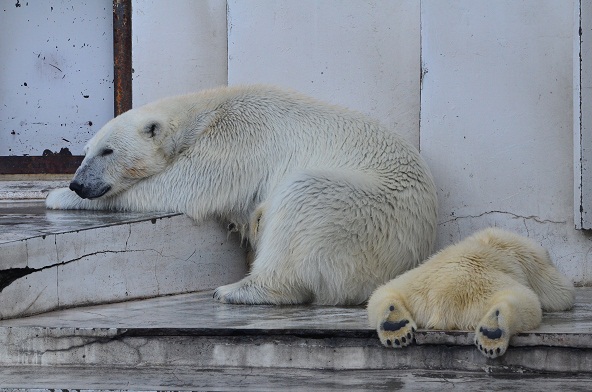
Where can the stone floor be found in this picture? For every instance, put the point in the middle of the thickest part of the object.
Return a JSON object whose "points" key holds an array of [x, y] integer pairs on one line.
{"points": [[198, 312], [191, 342], [256, 379]]}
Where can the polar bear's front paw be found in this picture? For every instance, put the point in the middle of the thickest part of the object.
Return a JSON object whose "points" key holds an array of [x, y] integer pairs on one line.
{"points": [[491, 336], [62, 199], [397, 328]]}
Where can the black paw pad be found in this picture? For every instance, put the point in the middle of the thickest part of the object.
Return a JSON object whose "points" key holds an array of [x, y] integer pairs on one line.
{"points": [[491, 334], [394, 326]]}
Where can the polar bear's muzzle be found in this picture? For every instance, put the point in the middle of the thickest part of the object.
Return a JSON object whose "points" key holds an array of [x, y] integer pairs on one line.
{"points": [[89, 192], [88, 182]]}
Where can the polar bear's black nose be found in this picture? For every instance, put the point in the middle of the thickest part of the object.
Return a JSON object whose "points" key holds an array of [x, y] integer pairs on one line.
{"points": [[76, 186]]}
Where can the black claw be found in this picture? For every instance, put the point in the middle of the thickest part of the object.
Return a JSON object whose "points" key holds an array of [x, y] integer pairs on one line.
{"points": [[481, 347], [490, 352], [498, 350], [403, 339], [408, 335], [497, 312], [388, 342], [392, 308], [414, 341], [413, 329], [397, 343]]}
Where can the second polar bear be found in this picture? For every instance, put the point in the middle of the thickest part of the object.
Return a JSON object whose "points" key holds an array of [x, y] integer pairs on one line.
{"points": [[348, 203], [495, 282]]}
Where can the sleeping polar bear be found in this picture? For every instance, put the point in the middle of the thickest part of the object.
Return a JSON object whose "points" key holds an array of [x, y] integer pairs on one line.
{"points": [[348, 203], [494, 282]]}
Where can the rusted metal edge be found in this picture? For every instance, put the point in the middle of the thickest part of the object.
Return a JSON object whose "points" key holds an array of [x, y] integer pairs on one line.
{"points": [[55, 164], [122, 55]]}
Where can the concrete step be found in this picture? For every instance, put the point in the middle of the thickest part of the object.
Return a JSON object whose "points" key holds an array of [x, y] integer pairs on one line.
{"points": [[269, 347], [66, 379], [58, 259]]}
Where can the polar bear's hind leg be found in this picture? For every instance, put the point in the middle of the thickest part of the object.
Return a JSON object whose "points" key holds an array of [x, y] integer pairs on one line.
{"points": [[512, 310], [397, 328]]}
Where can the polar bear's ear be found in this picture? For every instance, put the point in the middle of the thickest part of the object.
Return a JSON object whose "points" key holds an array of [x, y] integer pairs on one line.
{"points": [[152, 129]]}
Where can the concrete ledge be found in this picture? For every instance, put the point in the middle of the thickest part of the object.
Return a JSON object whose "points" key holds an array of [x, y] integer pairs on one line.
{"points": [[112, 347], [194, 330], [30, 189], [58, 259], [176, 377]]}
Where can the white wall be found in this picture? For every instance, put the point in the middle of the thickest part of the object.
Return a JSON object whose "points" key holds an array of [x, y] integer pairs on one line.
{"points": [[496, 115], [178, 47], [56, 74], [496, 121], [359, 54]]}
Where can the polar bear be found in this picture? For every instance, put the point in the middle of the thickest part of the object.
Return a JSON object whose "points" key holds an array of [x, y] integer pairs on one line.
{"points": [[494, 282], [348, 204]]}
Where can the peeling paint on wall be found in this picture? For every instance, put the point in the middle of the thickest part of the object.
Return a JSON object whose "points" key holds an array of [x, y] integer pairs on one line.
{"points": [[56, 74]]}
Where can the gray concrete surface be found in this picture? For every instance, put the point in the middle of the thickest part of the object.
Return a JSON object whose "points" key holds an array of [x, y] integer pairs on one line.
{"points": [[56, 259], [194, 330], [252, 379]]}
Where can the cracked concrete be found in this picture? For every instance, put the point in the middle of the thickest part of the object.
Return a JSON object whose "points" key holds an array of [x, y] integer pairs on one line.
{"points": [[79, 261], [194, 330], [516, 216]]}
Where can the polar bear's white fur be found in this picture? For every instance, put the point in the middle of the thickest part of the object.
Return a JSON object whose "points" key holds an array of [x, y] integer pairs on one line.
{"points": [[348, 204], [495, 282]]}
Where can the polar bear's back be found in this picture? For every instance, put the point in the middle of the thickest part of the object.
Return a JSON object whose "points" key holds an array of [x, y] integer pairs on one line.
{"points": [[451, 289], [280, 117]]}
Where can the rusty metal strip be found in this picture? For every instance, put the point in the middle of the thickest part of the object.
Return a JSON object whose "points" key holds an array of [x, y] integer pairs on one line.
{"points": [[55, 164], [122, 55]]}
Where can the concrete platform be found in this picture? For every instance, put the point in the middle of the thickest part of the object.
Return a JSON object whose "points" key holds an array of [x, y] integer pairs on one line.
{"points": [[190, 341], [58, 259], [183, 378]]}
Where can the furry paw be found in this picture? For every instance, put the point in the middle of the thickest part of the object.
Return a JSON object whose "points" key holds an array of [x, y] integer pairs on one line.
{"points": [[491, 335], [241, 293], [62, 199], [397, 328]]}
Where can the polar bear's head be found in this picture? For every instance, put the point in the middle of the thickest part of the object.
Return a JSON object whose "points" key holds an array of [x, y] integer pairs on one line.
{"points": [[126, 150], [135, 145]]}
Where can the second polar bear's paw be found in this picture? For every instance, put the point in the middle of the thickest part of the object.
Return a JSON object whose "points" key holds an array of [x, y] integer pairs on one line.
{"points": [[492, 336], [397, 328]]}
